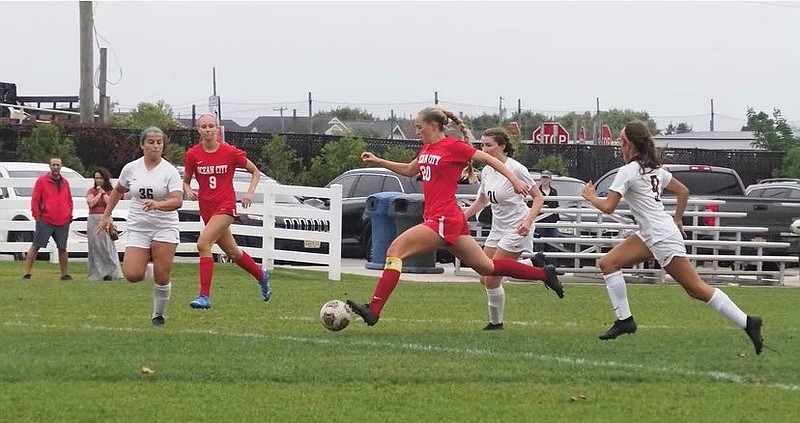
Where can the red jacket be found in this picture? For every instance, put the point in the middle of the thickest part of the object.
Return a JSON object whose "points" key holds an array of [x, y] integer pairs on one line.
{"points": [[50, 202]]}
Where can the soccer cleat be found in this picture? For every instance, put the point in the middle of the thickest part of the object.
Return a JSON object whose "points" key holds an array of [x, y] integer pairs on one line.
{"points": [[493, 326], [552, 281], [201, 301], [266, 289], [158, 321], [107, 278], [66, 277], [538, 260], [620, 327], [26, 277], [364, 312], [753, 330]]}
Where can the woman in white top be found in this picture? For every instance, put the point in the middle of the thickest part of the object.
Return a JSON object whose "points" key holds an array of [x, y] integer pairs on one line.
{"points": [[512, 219], [156, 193], [641, 182]]}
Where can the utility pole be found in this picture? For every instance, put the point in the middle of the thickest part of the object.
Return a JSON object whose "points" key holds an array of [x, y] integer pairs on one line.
{"points": [[281, 109], [436, 97], [214, 102], [598, 124], [391, 125], [310, 116], [86, 62], [104, 100], [500, 109], [712, 115], [519, 108]]}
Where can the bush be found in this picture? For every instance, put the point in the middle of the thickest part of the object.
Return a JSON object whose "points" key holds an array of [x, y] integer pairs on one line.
{"points": [[554, 163], [336, 157], [46, 142], [279, 161]]}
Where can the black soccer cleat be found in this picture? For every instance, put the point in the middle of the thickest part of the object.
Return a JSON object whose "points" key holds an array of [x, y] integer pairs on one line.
{"points": [[753, 330], [538, 260], [159, 321], [552, 282], [364, 312], [620, 327], [494, 326]]}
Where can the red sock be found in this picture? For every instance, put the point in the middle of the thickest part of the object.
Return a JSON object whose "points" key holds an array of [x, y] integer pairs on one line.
{"points": [[247, 263], [386, 284], [206, 273], [515, 269]]}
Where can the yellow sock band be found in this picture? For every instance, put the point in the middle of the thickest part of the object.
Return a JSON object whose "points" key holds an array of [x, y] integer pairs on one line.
{"points": [[394, 263]]}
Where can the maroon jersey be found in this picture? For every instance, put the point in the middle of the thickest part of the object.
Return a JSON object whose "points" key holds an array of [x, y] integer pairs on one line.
{"points": [[214, 172], [440, 167]]}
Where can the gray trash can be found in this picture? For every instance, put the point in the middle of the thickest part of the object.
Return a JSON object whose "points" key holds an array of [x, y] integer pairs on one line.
{"points": [[406, 210]]}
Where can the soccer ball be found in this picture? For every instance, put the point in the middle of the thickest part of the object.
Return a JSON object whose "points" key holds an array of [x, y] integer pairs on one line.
{"points": [[795, 226], [335, 315]]}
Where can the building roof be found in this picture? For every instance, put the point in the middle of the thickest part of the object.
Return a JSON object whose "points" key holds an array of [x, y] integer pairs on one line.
{"points": [[717, 140]]}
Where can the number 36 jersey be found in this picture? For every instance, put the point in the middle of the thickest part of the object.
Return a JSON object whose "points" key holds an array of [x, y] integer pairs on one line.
{"points": [[150, 184], [642, 189]]}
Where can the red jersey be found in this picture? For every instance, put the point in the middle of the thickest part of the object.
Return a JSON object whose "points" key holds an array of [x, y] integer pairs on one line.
{"points": [[440, 166], [214, 172]]}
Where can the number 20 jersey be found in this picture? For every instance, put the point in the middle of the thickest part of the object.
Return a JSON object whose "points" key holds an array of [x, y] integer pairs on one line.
{"points": [[440, 166]]}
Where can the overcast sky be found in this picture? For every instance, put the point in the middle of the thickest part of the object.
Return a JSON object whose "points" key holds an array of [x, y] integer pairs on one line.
{"points": [[667, 58]]}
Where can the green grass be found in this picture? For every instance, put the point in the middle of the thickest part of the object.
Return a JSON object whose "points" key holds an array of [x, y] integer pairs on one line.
{"points": [[73, 352]]}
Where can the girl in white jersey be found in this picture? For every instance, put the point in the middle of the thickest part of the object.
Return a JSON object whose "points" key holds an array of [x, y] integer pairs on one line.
{"points": [[156, 194], [512, 219], [660, 236]]}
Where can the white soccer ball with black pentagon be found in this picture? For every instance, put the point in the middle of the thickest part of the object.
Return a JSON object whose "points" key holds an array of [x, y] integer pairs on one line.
{"points": [[795, 226], [335, 315]]}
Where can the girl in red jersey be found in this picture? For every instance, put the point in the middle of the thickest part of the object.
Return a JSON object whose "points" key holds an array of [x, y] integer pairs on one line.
{"points": [[213, 163], [440, 163]]}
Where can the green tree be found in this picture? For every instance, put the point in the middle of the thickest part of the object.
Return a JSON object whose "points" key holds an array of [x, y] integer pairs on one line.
{"points": [[484, 121], [522, 152], [554, 163], [773, 134], [346, 113], [529, 121], [148, 114], [616, 119], [335, 158], [791, 164], [399, 154], [279, 161], [680, 128], [46, 142], [174, 153]]}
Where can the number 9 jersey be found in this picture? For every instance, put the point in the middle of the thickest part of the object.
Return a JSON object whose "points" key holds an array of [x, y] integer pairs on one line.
{"points": [[214, 172]]}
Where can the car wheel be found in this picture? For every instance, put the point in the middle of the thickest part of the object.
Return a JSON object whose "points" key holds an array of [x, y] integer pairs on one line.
{"points": [[26, 237]]}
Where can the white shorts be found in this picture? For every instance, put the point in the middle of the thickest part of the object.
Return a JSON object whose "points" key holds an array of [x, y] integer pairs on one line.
{"points": [[666, 249], [140, 239], [510, 241]]}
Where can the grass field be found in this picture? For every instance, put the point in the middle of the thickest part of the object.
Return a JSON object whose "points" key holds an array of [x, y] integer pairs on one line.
{"points": [[73, 351]]}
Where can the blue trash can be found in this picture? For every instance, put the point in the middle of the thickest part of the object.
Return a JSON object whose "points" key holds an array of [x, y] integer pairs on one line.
{"points": [[383, 227], [407, 210]]}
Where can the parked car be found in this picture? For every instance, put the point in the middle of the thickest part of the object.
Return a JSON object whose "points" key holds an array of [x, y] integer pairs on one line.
{"points": [[358, 185], [249, 218], [30, 170], [775, 188]]}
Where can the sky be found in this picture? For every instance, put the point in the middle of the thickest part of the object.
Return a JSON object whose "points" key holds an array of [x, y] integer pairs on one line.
{"points": [[669, 59]]}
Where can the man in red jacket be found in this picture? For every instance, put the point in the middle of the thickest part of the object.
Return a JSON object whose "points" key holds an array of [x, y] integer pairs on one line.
{"points": [[51, 207]]}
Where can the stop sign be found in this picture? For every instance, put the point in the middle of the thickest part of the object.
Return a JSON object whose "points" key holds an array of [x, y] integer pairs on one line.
{"points": [[550, 133]]}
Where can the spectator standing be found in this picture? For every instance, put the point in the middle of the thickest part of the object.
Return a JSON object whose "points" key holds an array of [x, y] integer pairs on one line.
{"points": [[103, 257], [51, 208]]}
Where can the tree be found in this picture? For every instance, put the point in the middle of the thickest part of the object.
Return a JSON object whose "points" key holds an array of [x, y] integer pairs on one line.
{"points": [[681, 128], [46, 142], [399, 154], [174, 153], [145, 115], [483, 122], [554, 163], [616, 119], [279, 160], [791, 164], [335, 158], [346, 113], [771, 134], [529, 121]]}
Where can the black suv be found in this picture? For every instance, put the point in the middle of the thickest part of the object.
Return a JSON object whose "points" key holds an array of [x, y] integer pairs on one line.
{"points": [[358, 185]]}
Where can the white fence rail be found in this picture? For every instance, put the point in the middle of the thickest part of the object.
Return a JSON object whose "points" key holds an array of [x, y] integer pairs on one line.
{"points": [[594, 232], [13, 207]]}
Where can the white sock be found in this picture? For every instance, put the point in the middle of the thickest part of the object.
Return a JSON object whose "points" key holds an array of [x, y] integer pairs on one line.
{"points": [[160, 298], [724, 306], [148, 272], [618, 294], [497, 303]]}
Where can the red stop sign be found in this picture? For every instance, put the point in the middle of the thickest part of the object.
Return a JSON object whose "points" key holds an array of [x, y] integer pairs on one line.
{"points": [[550, 133]]}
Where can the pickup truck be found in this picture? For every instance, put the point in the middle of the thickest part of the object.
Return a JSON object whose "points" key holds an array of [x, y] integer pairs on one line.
{"points": [[720, 183]]}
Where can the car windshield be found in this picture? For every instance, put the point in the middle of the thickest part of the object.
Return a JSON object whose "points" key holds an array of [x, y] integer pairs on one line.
{"points": [[27, 192]]}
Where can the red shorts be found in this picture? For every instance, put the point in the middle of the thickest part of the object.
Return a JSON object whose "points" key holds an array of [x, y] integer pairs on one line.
{"points": [[449, 226], [208, 211]]}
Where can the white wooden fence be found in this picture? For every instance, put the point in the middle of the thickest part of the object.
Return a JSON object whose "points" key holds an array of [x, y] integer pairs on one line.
{"points": [[269, 210], [595, 232]]}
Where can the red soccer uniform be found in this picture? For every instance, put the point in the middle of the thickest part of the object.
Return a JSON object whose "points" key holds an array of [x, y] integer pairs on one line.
{"points": [[214, 173], [440, 166]]}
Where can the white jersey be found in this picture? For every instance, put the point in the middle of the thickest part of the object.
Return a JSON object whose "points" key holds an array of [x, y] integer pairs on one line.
{"points": [[154, 184], [643, 192], [508, 207]]}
